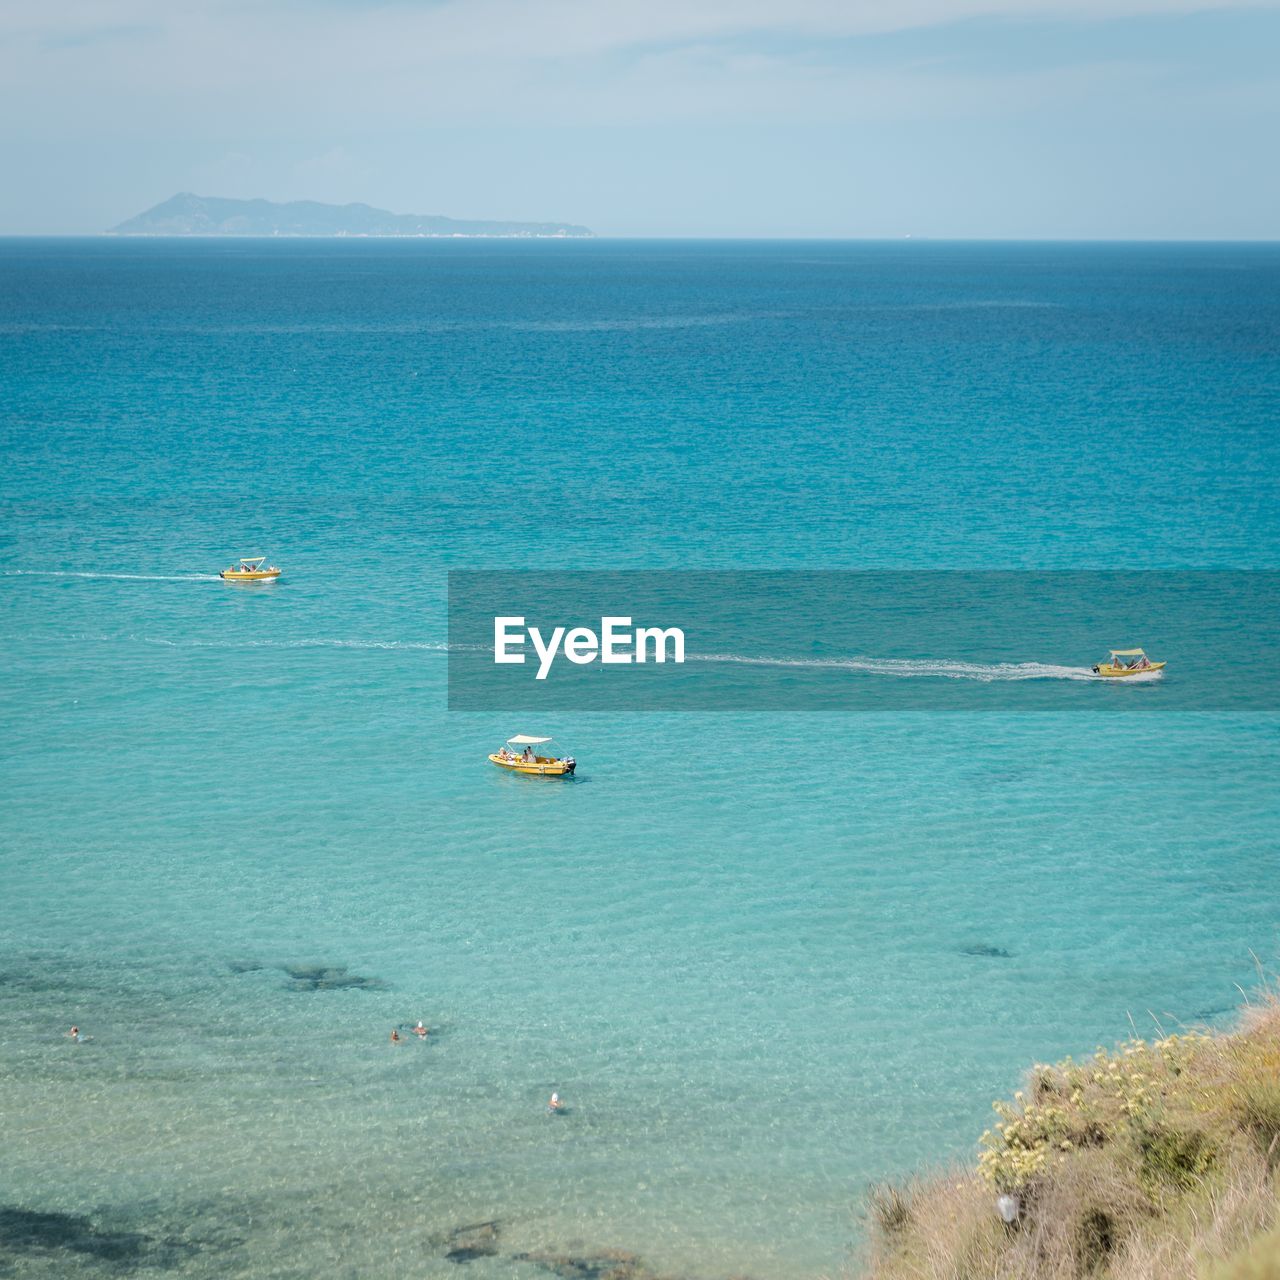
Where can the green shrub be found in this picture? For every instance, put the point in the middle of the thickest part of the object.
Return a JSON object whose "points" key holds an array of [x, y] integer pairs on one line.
{"points": [[890, 1207], [1096, 1239], [1178, 1156]]}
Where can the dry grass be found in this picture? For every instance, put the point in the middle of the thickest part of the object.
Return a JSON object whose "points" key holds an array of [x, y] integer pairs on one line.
{"points": [[1154, 1161], [1259, 1262]]}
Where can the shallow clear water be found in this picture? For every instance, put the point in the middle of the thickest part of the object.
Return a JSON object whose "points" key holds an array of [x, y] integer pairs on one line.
{"points": [[742, 947]]}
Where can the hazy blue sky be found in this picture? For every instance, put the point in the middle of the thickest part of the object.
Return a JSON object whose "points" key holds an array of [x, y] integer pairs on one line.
{"points": [[1124, 118]]}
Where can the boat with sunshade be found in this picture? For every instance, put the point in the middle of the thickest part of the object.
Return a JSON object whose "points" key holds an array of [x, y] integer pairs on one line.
{"points": [[250, 569], [1127, 662], [520, 755]]}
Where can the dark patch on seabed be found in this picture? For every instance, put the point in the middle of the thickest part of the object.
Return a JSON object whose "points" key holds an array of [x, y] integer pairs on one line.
{"points": [[62, 1241], [1209, 1015], [329, 978], [26, 1232], [478, 1240], [313, 977], [988, 952], [42, 974], [481, 1239], [609, 1264]]}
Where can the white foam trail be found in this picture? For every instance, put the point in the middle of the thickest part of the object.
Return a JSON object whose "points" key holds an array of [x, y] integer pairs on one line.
{"points": [[909, 668], [318, 642], [901, 668], [310, 643], [122, 577]]}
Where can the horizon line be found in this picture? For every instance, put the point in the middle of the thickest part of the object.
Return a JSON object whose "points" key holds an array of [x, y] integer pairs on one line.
{"points": [[882, 238]]}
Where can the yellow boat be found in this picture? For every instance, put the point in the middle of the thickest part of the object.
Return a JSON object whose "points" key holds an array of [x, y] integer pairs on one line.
{"points": [[1127, 662], [250, 569], [527, 760]]}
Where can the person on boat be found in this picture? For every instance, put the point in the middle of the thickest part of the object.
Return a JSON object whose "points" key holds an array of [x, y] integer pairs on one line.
{"points": [[527, 757], [1142, 663], [420, 1031], [555, 1104]]}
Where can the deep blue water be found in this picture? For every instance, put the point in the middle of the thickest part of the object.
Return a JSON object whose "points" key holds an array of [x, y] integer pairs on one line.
{"points": [[740, 945]]}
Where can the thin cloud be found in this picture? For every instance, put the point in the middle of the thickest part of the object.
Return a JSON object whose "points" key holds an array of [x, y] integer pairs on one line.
{"points": [[558, 28], [360, 99], [93, 37], [358, 65]]}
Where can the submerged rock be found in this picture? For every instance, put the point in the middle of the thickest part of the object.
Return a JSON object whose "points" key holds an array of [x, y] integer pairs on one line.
{"points": [[329, 978], [312, 977], [21, 980], [478, 1240], [25, 1229], [991, 953], [607, 1264], [1208, 1015]]}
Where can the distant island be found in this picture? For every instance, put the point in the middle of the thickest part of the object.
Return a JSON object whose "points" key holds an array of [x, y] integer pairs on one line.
{"points": [[190, 215]]}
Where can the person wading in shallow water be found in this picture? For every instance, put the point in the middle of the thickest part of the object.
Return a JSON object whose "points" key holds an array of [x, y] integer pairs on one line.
{"points": [[395, 1036], [555, 1104]]}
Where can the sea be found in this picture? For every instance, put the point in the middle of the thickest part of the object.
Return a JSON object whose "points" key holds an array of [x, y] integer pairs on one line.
{"points": [[767, 959]]}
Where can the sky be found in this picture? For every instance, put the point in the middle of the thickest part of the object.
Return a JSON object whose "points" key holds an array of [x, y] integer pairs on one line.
{"points": [[1112, 119]]}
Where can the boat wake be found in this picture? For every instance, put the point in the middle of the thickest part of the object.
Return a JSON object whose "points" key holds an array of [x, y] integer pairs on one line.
{"points": [[897, 668], [194, 642], [121, 577], [303, 643], [912, 668]]}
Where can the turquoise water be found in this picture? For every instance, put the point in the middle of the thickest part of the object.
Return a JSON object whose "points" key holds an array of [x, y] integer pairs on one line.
{"points": [[740, 946]]}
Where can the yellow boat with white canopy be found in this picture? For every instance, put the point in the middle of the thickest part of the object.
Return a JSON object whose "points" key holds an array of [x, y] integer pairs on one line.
{"points": [[520, 756], [250, 569], [1127, 662]]}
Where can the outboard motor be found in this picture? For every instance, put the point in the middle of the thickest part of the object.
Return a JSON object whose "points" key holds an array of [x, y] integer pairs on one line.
{"points": [[1097, 671], [570, 764]]}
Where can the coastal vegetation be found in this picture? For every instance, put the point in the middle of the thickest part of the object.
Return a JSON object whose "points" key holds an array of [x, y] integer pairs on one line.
{"points": [[1155, 1160]]}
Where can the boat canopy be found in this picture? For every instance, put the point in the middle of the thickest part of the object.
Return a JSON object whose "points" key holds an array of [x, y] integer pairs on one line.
{"points": [[1128, 653], [523, 740], [252, 562]]}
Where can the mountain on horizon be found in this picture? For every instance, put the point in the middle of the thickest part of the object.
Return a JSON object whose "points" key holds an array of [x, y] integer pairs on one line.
{"points": [[191, 215]]}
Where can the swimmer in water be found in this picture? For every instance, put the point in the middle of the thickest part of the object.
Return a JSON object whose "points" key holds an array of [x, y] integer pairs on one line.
{"points": [[74, 1035], [555, 1104], [395, 1036], [420, 1031]]}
